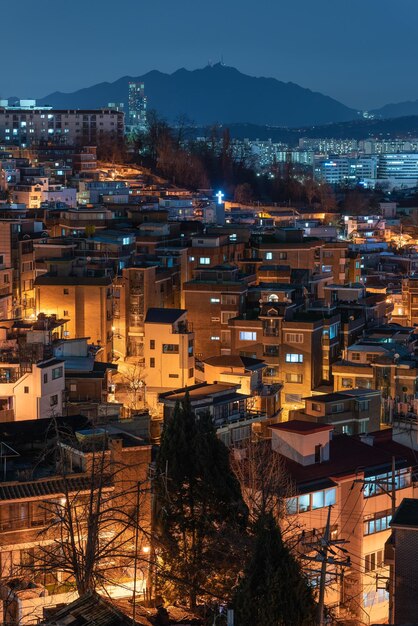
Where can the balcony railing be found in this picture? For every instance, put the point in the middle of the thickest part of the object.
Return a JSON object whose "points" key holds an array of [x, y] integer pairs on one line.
{"points": [[183, 328]]}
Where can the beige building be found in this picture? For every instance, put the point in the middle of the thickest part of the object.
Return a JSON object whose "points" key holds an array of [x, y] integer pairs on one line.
{"points": [[168, 351], [84, 301], [353, 476]]}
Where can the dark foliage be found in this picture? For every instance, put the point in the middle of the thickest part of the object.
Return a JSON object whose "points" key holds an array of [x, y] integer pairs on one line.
{"points": [[273, 591]]}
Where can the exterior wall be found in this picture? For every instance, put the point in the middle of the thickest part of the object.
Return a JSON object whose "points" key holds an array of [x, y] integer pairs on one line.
{"points": [[206, 304], [406, 575], [172, 370], [88, 309], [301, 448], [38, 403], [82, 127], [310, 370], [296, 256]]}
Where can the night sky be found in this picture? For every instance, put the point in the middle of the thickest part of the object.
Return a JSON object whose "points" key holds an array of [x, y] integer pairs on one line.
{"points": [[362, 52]]}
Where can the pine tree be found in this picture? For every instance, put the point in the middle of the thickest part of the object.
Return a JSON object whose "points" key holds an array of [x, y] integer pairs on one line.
{"points": [[273, 591], [200, 517]]}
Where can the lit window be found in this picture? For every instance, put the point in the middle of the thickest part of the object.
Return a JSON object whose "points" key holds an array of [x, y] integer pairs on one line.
{"points": [[294, 358], [215, 338], [215, 300], [269, 256], [204, 260], [246, 335]]}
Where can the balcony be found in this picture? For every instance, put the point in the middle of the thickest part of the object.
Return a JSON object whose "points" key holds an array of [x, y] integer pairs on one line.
{"points": [[182, 328]]}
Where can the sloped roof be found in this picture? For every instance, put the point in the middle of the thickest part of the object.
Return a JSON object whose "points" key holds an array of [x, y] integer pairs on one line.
{"points": [[406, 514], [54, 486]]}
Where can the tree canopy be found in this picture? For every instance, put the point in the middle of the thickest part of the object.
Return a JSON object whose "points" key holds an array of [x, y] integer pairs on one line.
{"points": [[200, 516]]}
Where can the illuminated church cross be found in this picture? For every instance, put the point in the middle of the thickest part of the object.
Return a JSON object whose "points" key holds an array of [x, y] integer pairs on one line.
{"points": [[219, 195]]}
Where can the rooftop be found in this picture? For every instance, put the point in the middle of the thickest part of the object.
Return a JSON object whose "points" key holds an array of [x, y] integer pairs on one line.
{"points": [[406, 514], [163, 316], [235, 361], [301, 427]]}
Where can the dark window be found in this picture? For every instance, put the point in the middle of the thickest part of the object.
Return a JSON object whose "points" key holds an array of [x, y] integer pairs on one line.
{"points": [[57, 372], [318, 453], [152, 362], [45, 378], [66, 292], [26, 389], [152, 344], [54, 400]]}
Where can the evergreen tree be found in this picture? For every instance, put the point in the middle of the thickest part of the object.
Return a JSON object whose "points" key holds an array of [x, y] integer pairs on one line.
{"points": [[273, 591], [200, 517]]}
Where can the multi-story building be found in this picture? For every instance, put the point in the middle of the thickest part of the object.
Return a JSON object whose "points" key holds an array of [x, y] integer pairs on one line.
{"points": [[85, 302], [348, 478], [347, 171], [137, 289], [398, 170], [28, 126], [137, 105], [350, 412], [248, 373], [212, 298], [168, 351]]}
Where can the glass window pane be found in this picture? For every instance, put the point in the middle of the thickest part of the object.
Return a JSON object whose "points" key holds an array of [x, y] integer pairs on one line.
{"points": [[318, 500], [330, 496], [304, 503], [292, 505]]}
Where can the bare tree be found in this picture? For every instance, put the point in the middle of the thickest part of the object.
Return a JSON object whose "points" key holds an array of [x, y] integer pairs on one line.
{"points": [[98, 530], [265, 484], [131, 388]]}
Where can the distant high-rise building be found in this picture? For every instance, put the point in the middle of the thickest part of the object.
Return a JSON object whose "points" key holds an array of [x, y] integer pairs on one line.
{"points": [[137, 105]]}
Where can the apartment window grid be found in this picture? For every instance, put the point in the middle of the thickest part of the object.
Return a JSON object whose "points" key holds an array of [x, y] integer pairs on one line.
{"points": [[311, 501], [378, 523]]}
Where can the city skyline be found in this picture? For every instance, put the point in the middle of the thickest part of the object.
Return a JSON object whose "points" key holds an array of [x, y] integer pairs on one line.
{"points": [[363, 72]]}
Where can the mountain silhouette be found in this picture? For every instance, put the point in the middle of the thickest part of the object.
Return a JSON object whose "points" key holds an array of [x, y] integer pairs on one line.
{"points": [[215, 94]]}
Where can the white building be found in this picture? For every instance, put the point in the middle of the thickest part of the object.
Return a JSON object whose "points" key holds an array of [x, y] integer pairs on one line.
{"points": [[32, 390], [398, 170]]}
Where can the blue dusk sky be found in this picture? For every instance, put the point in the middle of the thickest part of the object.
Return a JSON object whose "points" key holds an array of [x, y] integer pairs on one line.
{"points": [[361, 52]]}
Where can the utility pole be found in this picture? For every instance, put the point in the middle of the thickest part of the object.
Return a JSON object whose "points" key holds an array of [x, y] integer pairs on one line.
{"points": [[392, 567], [322, 547], [138, 491], [325, 546]]}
